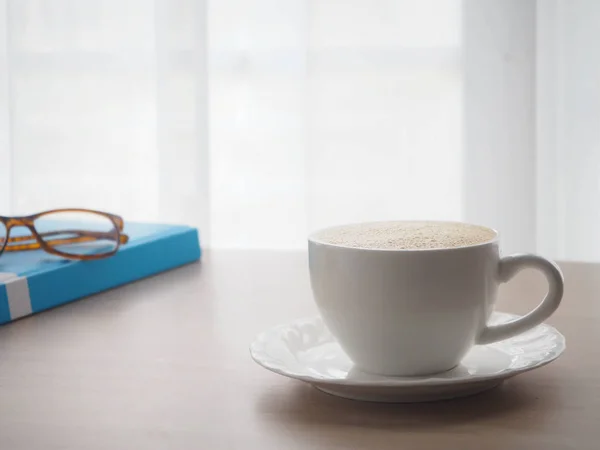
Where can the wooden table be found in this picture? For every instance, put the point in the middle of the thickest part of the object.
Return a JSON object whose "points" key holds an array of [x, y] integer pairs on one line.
{"points": [[163, 364]]}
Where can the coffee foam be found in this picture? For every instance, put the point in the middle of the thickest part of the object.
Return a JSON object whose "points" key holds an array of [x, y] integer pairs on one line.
{"points": [[406, 235]]}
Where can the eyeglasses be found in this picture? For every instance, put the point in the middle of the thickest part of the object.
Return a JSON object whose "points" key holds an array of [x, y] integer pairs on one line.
{"points": [[80, 234]]}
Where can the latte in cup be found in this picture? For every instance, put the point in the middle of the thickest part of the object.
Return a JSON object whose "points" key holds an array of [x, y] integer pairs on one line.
{"points": [[412, 298], [406, 235]]}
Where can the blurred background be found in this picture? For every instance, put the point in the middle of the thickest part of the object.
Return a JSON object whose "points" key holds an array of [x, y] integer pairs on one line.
{"points": [[260, 120]]}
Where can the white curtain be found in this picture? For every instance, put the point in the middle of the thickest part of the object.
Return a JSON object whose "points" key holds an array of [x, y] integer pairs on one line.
{"points": [[260, 120], [103, 105], [568, 128]]}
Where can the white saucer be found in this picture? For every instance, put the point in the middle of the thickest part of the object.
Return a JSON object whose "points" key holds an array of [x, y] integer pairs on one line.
{"points": [[306, 350]]}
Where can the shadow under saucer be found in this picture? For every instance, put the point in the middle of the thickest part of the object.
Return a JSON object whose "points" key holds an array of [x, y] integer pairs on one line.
{"points": [[369, 387]]}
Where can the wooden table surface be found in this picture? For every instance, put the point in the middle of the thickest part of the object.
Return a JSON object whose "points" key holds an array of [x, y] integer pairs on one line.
{"points": [[163, 364]]}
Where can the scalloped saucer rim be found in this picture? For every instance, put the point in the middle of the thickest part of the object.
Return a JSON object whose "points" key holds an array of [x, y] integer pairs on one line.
{"points": [[331, 369]]}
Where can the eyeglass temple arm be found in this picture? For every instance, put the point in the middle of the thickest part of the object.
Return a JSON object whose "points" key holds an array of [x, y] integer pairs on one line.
{"points": [[83, 236], [119, 221], [78, 233]]}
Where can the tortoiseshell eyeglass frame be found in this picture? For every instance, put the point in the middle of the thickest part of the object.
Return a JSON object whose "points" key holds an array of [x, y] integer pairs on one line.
{"points": [[42, 241]]}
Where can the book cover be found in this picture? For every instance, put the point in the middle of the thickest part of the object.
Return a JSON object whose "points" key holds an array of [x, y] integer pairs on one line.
{"points": [[33, 281]]}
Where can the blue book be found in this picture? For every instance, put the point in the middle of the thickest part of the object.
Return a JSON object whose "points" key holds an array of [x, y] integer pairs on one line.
{"points": [[33, 281]]}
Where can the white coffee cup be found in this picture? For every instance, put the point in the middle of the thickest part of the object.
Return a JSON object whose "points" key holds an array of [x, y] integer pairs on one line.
{"points": [[418, 312]]}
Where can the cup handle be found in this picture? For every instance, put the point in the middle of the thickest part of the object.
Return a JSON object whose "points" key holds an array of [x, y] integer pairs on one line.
{"points": [[510, 266]]}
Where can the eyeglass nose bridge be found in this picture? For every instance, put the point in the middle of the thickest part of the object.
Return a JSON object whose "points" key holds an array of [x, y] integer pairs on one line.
{"points": [[18, 222], [15, 222]]}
